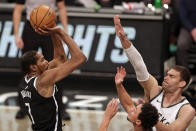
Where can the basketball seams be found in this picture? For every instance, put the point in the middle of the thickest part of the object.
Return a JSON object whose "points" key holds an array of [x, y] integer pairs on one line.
{"points": [[44, 16], [36, 16], [31, 21], [50, 22]]}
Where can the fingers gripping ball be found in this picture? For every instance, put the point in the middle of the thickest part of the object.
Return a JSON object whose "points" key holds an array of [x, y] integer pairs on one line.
{"points": [[43, 15]]}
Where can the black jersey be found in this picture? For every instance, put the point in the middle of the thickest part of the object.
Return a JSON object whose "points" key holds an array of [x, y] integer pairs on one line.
{"points": [[43, 112]]}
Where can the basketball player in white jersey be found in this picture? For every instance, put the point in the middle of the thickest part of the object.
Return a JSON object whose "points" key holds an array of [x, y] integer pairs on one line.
{"points": [[175, 112]]}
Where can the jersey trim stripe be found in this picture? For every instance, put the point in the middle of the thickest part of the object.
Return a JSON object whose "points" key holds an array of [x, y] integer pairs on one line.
{"points": [[171, 105], [34, 83], [55, 129], [27, 80], [156, 96]]}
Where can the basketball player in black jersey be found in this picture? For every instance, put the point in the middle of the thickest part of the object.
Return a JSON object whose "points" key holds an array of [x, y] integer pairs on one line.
{"points": [[30, 40], [39, 92]]}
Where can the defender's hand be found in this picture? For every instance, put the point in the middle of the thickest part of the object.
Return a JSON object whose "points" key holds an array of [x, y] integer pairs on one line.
{"points": [[120, 75], [112, 109], [118, 28]]}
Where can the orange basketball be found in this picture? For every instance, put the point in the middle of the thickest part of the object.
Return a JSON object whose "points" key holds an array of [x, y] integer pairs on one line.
{"points": [[43, 15]]}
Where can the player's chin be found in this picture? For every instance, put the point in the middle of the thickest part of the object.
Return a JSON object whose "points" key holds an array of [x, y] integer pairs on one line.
{"points": [[164, 85]]}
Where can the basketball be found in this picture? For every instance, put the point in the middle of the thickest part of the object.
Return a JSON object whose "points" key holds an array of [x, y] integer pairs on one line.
{"points": [[43, 15]]}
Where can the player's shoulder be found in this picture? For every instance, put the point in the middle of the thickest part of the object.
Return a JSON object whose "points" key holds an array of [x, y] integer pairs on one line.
{"points": [[187, 109]]}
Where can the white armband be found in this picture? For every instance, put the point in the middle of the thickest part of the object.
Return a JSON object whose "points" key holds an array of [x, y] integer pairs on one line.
{"points": [[137, 62]]}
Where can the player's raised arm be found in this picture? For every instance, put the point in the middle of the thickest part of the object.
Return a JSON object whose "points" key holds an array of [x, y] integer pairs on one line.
{"points": [[124, 97], [52, 76], [59, 53], [148, 82], [110, 112]]}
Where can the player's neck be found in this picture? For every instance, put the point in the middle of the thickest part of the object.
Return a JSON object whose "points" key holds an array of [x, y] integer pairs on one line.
{"points": [[138, 128], [29, 75], [172, 98]]}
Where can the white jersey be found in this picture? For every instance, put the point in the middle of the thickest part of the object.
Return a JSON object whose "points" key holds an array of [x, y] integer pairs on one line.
{"points": [[31, 4], [167, 115]]}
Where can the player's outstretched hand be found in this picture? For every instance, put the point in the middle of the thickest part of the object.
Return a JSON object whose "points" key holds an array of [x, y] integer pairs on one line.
{"points": [[112, 109], [120, 75], [140, 101], [118, 28]]}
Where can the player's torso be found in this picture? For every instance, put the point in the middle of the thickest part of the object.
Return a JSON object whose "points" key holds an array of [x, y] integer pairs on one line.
{"points": [[169, 114], [43, 112]]}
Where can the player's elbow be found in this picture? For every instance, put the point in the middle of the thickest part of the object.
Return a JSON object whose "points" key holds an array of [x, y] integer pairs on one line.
{"points": [[80, 59], [83, 58]]}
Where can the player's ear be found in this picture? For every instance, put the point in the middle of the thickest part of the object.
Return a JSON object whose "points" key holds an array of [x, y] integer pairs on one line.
{"points": [[182, 83], [33, 68], [138, 122]]}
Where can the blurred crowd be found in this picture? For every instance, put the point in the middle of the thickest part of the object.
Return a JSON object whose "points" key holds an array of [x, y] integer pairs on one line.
{"points": [[102, 3]]}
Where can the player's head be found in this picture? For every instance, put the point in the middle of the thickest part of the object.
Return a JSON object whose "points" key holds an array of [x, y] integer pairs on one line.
{"points": [[33, 61], [177, 78], [145, 115]]}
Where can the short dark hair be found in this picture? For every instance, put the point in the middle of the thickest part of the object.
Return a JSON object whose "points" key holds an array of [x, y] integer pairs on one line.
{"points": [[184, 73], [28, 58], [149, 116]]}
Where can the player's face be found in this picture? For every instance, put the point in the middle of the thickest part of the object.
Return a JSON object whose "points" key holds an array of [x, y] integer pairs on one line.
{"points": [[42, 63], [133, 115], [171, 80]]}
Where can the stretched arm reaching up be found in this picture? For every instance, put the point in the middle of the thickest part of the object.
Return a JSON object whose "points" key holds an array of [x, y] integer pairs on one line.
{"points": [[148, 82], [110, 112], [48, 78], [59, 53], [124, 97]]}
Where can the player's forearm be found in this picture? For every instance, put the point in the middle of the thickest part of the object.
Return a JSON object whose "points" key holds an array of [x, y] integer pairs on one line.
{"points": [[74, 50], [58, 48], [124, 97], [125, 42], [104, 124], [135, 59], [138, 64]]}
